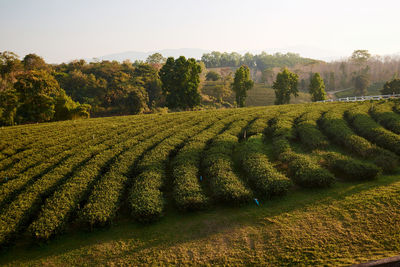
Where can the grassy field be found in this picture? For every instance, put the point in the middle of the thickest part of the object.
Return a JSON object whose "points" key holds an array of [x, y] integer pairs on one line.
{"points": [[261, 95], [181, 188], [373, 89]]}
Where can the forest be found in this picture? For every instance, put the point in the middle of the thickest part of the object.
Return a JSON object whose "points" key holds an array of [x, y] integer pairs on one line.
{"points": [[32, 90]]}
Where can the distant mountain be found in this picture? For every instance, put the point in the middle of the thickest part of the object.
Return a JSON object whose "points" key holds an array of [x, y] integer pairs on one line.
{"points": [[135, 55]]}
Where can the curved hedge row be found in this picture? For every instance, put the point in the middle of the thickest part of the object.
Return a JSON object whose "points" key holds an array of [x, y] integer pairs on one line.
{"points": [[263, 177], [14, 216], [308, 132], [146, 199], [350, 168], [301, 168], [57, 209], [339, 132], [187, 190], [9, 189], [31, 139], [225, 186], [37, 160], [104, 199], [383, 114], [368, 128]]}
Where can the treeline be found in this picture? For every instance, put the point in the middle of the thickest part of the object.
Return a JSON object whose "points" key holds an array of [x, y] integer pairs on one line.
{"points": [[33, 91], [29, 92], [261, 61], [361, 71]]}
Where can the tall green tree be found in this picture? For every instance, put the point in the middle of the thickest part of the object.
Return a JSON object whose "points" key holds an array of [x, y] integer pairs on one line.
{"points": [[361, 83], [180, 82], [146, 76], [317, 88], [8, 107], [36, 91], [391, 87], [284, 86], [241, 84]]}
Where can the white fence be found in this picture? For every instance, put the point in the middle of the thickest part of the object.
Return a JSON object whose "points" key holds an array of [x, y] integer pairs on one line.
{"points": [[361, 98]]}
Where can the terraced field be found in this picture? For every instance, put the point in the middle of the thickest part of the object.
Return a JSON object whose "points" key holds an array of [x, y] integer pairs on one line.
{"points": [[89, 174]]}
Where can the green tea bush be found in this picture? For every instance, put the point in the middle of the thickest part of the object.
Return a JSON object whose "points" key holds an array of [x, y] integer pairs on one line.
{"points": [[308, 132], [307, 173], [301, 168], [224, 184], [368, 128], [339, 132], [383, 114], [350, 168], [264, 178]]}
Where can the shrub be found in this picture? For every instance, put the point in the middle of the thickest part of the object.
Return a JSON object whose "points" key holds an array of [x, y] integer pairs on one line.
{"points": [[308, 132], [301, 168], [371, 130], [383, 114], [263, 177], [306, 173], [350, 168], [336, 128]]}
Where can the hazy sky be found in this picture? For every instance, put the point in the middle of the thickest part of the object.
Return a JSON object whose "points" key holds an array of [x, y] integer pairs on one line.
{"points": [[62, 30]]}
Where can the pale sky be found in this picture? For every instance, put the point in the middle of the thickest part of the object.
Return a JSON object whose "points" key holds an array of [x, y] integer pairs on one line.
{"points": [[63, 30]]}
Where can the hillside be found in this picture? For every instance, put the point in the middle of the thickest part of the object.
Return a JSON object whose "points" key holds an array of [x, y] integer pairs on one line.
{"points": [[259, 95], [279, 185]]}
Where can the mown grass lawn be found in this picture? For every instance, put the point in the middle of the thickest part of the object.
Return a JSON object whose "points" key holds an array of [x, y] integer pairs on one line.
{"points": [[345, 224]]}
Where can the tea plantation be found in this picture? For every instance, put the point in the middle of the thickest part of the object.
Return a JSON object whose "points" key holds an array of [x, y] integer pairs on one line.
{"points": [[278, 185]]}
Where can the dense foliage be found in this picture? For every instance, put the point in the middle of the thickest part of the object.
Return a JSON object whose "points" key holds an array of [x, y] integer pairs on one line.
{"points": [[284, 86], [261, 61], [317, 88], [241, 84], [180, 82]]}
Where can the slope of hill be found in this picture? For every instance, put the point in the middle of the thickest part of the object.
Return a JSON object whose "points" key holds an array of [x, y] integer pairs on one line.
{"points": [[259, 95], [262, 95], [309, 184]]}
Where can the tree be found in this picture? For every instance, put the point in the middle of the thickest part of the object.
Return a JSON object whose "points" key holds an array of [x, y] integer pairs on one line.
{"points": [[361, 83], [391, 87], [332, 81], [8, 107], [212, 76], [67, 109], [34, 62], [223, 90], [146, 76], [136, 100], [284, 86], [180, 82], [241, 84], [155, 58], [9, 63], [317, 88], [360, 56], [9, 66], [36, 92], [303, 86], [267, 76]]}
